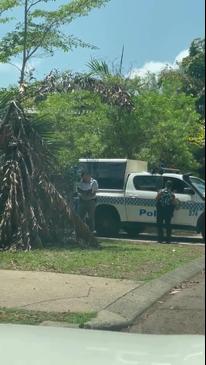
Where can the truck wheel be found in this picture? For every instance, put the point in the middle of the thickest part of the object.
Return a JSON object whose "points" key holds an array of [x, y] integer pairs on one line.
{"points": [[107, 223]]}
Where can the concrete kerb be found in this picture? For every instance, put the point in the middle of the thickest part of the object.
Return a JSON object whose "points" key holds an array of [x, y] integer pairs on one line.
{"points": [[126, 309]]}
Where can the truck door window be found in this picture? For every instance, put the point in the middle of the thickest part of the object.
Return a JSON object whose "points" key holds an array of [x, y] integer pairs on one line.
{"points": [[148, 183], [178, 185]]}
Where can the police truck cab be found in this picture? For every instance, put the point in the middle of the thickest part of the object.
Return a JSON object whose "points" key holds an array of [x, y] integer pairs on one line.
{"points": [[127, 196]]}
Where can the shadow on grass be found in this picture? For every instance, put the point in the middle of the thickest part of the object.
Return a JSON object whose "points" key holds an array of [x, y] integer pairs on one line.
{"points": [[69, 247], [103, 247]]}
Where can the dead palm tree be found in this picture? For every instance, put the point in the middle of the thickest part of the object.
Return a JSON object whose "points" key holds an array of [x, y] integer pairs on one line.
{"points": [[32, 211]]}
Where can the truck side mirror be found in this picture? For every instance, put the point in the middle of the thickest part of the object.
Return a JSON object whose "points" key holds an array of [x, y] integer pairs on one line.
{"points": [[189, 191]]}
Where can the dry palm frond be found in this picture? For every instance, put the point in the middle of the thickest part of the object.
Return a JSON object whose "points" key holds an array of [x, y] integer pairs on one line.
{"points": [[110, 92]]}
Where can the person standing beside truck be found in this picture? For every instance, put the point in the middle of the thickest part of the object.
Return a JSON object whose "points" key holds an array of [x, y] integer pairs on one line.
{"points": [[165, 204], [87, 190]]}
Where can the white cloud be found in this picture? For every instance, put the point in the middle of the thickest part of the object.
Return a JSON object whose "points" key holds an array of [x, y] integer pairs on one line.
{"points": [[181, 55], [149, 67], [156, 66]]}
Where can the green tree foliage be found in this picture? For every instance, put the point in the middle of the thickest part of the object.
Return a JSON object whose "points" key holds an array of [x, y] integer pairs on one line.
{"points": [[96, 120], [5, 6], [193, 67], [123, 131], [78, 121], [41, 30], [104, 114], [159, 127], [169, 123], [190, 76]]}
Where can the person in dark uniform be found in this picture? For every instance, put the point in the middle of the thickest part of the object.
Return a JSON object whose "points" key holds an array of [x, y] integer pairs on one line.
{"points": [[165, 210]]}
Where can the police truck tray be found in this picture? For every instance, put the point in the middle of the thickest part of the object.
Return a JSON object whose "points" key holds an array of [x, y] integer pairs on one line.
{"points": [[112, 173]]}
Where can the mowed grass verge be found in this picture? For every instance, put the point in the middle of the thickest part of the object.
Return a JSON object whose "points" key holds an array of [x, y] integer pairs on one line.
{"points": [[20, 316], [116, 259]]}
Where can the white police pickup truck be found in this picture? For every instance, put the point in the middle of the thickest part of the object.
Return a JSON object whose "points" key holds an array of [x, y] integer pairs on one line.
{"points": [[127, 199]]}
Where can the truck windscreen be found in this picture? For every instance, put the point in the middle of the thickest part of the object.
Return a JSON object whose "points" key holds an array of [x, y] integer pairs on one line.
{"points": [[199, 184]]}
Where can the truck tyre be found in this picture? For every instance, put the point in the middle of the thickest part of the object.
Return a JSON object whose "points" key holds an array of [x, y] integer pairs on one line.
{"points": [[107, 222]]}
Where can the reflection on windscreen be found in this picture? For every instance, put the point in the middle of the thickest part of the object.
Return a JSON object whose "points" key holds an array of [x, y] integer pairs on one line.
{"points": [[199, 184]]}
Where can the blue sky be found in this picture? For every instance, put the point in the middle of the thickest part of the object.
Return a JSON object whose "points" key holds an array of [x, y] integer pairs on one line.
{"points": [[154, 32]]}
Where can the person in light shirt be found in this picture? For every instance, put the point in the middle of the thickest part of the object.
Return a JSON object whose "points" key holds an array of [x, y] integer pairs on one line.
{"points": [[87, 190]]}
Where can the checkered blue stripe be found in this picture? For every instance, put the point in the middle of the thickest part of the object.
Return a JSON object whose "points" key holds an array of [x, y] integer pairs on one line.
{"points": [[192, 205], [111, 200], [145, 202]]}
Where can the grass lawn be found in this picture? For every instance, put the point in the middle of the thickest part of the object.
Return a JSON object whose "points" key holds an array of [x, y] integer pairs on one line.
{"points": [[116, 259], [19, 316]]}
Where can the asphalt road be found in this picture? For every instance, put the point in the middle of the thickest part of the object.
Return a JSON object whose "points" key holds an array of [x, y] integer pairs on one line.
{"points": [[179, 312], [178, 237]]}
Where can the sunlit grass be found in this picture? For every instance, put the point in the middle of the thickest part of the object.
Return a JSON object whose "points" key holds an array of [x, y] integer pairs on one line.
{"points": [[121, 260]]}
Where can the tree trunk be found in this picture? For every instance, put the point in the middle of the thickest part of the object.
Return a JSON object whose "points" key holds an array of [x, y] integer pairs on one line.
{"points": [[24, 60]]}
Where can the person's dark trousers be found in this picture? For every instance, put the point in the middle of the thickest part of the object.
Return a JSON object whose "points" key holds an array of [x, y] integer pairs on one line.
{"points": [[160, 225], [88, 207], [164, 217]]}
